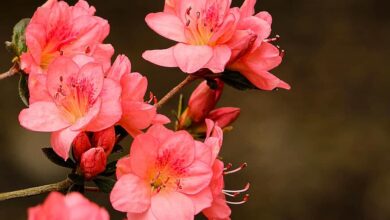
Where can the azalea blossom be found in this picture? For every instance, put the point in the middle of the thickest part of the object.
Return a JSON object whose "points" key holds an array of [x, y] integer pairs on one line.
{"points": [[74, 99], [70, 207], [201, 30], [201, 106], [136, 113], [252, 53], [219, 209], [166, 176], [57, 29]]}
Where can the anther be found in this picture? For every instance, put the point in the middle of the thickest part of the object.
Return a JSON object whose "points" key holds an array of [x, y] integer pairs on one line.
{"points": [[228, 166], [244, 200], [237, 169]]}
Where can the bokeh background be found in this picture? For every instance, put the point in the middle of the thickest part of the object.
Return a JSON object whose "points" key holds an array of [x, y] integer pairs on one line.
{"points": [[319, 151]]}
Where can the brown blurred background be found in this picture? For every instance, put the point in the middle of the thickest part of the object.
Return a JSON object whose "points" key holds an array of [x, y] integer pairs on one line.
{"points": [[319, 151]]}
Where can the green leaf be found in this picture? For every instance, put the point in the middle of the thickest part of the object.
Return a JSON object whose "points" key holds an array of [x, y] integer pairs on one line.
{"points": [[24, 93], [105, 184], [237, 81], [19, 38], [110, 169], [53, 157]]}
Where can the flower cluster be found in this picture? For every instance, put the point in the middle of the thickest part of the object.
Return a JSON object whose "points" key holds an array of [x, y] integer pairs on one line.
{"points": [[89, 104]]}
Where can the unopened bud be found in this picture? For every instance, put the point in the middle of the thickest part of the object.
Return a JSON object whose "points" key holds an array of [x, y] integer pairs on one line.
{"points": [[203, 100], [80, 145], [104, 139], [93, 162], [224, 117]]}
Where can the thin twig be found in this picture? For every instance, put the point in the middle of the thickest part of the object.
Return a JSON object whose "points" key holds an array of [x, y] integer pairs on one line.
{"points": [[177, 89], [14, 70], [60, 186]]}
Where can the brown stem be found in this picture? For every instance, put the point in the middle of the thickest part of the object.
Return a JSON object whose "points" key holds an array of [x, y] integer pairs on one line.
{"points": [[175, 90], [14, 69], [60, 186]]}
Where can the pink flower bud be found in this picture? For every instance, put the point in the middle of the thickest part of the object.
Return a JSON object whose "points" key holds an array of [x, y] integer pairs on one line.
{"points": [[203, 100], [104, 139], [80, 145], [224, 117], [93, 162]]}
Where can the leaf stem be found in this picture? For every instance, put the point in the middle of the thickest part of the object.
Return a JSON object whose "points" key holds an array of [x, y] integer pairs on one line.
{"points": [[60, 186]]}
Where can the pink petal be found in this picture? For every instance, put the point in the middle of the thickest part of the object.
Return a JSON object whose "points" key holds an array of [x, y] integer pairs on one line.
{"points": [[92, 113], [123, 167], [161, 57], [61, 141], [192, 58], [180, 145], [148, 215], [160, 133], [37, 88], [198, 178], [60, 72], [131, 194], [172, 205], [134, 87], [265, 16], [136, 115], [102, 54], [202, 200], [120, 67], [82, 208], [248, 8], [143, 154], [93, 73], [42, 116], [111, 109], [257, 25], [167, 25], [203, 153], [220, 58], [161, 119]]}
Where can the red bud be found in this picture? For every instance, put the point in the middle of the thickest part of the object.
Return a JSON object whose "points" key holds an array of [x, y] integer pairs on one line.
{"points": [[93, 162], [104, 139], [203, 100], [80, 145], [224, 117]]}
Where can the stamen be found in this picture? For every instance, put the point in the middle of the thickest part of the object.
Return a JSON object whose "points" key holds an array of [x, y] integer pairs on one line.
{"points": [[228, 166], [237, 169], [274, 39], [244, 200], [246, 188]]}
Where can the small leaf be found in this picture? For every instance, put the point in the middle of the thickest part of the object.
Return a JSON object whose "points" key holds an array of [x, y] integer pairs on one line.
{"points": [[237, 81], [76, 179], [24, 93], [76, 188], [110, 169], [19, 38], [53, 157], [105, 184]]}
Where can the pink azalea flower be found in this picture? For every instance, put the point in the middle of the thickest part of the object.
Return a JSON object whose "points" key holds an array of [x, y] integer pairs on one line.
{"points": [[202, 30], [137, 114], [93, 162], [70, 207], [57, 29], [201, 106], [252, 54], [165, 177], [77, 99]]}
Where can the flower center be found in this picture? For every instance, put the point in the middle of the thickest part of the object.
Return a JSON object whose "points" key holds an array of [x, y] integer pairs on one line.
{"points": [[167, 173], [201, 25], [74, 98], [58, 38]]}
